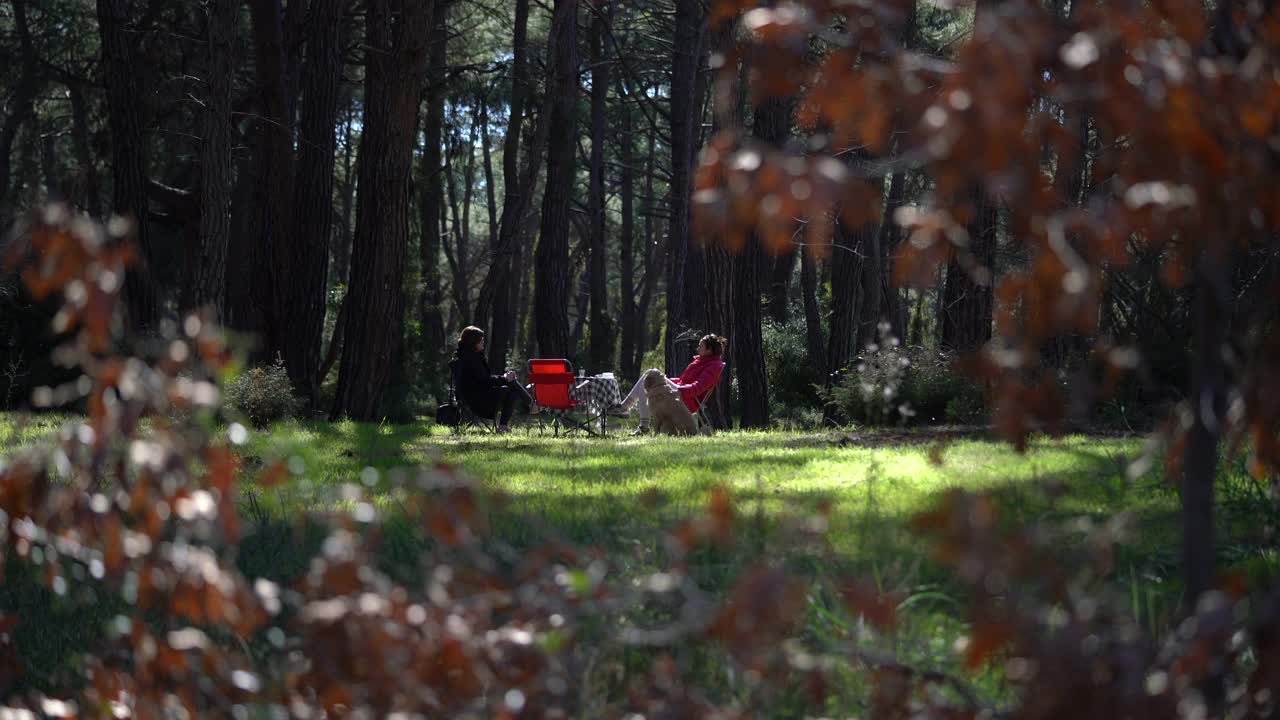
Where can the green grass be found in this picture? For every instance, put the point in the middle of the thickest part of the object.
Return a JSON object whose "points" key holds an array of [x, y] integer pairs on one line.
{"points": [[622, 493]]}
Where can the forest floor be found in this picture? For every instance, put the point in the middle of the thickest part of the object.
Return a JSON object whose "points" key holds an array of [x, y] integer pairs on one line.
{"points": [[622, 493]]}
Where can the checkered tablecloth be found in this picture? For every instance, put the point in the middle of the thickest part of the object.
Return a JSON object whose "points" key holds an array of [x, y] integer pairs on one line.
{"points": [[598, 394]]}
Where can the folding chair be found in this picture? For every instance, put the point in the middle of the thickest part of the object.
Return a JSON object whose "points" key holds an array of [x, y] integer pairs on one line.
{"points": [[700, 419], [467, 418], [552, 380]]}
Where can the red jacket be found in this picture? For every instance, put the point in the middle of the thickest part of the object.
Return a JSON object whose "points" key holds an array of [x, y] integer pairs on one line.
{"points": [[698, 379]]}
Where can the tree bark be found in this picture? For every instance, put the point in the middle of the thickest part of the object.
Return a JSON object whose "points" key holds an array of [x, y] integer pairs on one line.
{"points": [[719, 263], [210, 286], [846, 276], [129, 162], [551, 268], [602, 328], [430, 203], [784, 266], [891, 306], [500, 292], [491, 192], [90, 190], [627, 260], [459, 254], [277, 157], [967, 300], [812, 315], [650, 278], [313, 197], [23, 104], [771, 125], [395, 65], [684, 70], [342, 249]]}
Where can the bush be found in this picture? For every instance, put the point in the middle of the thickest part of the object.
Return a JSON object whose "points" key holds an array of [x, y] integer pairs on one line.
{"points": [[892, 384], [264, 394], [792, 381]]}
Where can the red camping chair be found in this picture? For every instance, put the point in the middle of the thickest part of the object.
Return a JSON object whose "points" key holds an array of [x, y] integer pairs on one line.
{"points": [[552, 380]]}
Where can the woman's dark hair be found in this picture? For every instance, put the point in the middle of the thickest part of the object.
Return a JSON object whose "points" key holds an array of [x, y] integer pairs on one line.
{"points": [[715, 343], [470, 336]]}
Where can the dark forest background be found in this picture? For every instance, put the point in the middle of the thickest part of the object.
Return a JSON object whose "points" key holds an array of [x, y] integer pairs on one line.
{"points": [[347, 183]]}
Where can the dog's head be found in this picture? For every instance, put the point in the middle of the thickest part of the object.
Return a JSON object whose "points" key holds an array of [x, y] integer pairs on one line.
{"points": [[651, 381]]}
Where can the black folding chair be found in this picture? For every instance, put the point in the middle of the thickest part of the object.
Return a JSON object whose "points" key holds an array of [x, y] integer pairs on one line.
{"points": [[467, 418]]}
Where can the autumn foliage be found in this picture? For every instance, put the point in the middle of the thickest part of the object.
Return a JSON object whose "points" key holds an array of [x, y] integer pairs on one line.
{"points": [[140, 503]]}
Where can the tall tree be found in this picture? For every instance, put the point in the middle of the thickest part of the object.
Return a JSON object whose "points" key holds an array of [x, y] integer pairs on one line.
{"points": [[628, 319], [771, 125], [685, 57], [602, 330], [812, 314], [431, 197], [210, 286], [650, 279], [276, 128], [783, 268], [551, 266], [967, 299], [490, 191], [726, 112], [22, 104], [496, 305], [846, 274], [312, 220], [129, 158], [91, 193], [397, 35]]}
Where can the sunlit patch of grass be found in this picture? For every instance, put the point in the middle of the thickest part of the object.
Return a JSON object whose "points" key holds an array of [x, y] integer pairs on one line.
{"points": [[623, 493]]}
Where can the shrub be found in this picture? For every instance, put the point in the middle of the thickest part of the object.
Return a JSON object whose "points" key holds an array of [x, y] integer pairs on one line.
{"points": [[792, 381], [893, 384], [264, 394]]}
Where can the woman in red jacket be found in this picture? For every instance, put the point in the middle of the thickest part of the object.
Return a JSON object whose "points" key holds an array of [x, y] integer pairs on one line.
{"points": [[698, 379]]}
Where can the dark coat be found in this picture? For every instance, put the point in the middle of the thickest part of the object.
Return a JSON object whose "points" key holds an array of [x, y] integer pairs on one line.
{"points": [[475, 385]]}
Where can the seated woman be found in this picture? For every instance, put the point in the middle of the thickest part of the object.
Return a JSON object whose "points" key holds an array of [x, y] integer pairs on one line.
{"points": [[698, 379], [481, 390]]}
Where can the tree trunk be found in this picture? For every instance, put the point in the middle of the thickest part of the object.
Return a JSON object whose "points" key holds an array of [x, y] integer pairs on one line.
{"points": [[891, 306], [308, 275], [129, 162], [650, 278], [684, 71], [395, 64], [1200, 453], [627, 260], [210, 286], [967, 300], [462, 283], [431, 200], [812, 315], [342, 251], [846, 277], [551, 268], [871, 290], [491, 192], [247, 259], [277, 156], [90, 190], [22, 103], [498, 303], [784, 267], [458, 255], [771, 125], [602, 329], [719, 263]]}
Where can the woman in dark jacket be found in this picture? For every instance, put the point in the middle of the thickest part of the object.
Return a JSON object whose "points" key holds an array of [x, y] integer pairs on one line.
{"points": [[481, 390]]}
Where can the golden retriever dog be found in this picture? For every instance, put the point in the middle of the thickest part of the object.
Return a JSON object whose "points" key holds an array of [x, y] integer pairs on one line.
{"points": [[667, 410]]}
